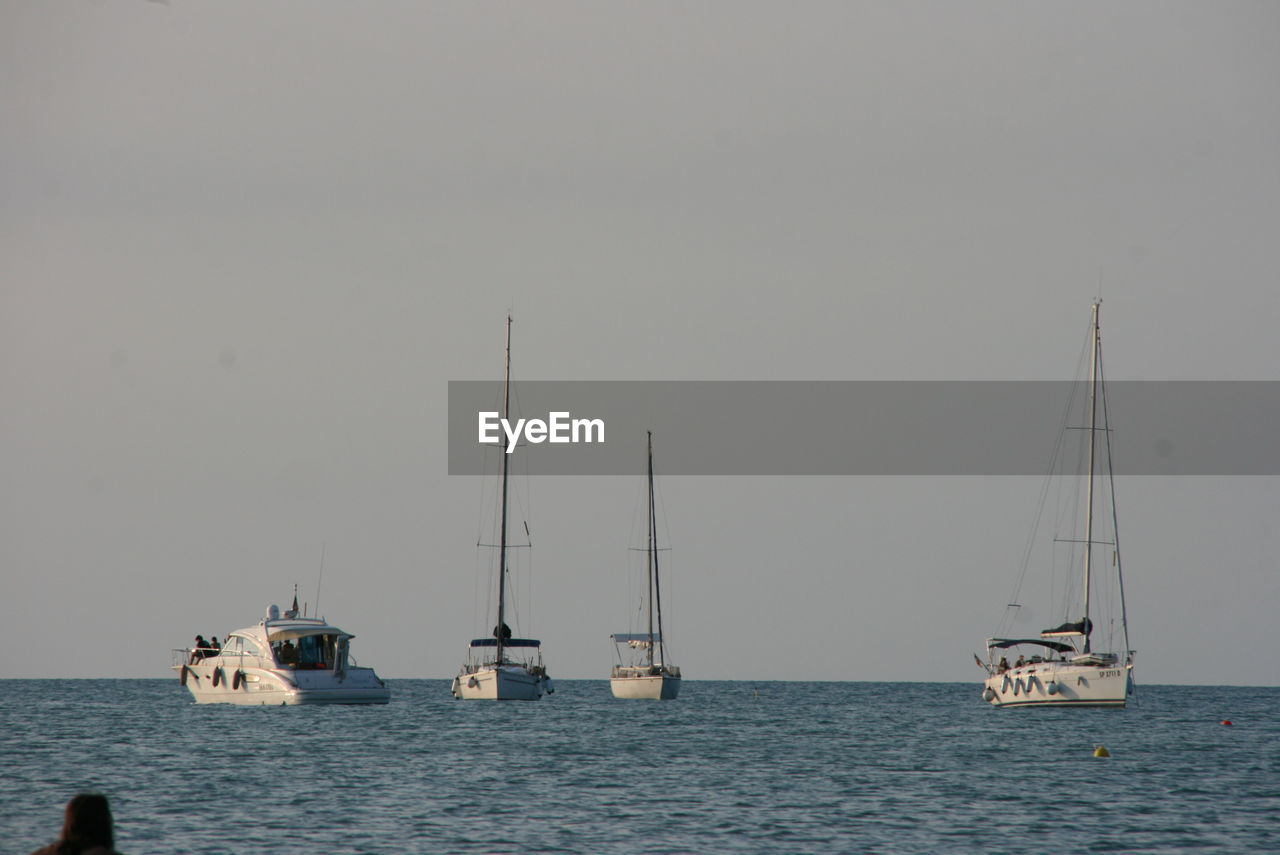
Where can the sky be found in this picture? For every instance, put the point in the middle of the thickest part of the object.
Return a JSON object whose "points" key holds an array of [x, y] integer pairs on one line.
{"points": [[245, 246]]}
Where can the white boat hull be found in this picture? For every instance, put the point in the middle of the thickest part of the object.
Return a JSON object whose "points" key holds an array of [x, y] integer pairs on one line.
{"points": [[505, 683], [274, 687], [1059, 684], [656, 687]]}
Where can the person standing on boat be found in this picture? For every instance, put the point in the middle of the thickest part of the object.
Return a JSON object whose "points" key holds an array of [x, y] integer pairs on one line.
{"points": [[86, 828]]}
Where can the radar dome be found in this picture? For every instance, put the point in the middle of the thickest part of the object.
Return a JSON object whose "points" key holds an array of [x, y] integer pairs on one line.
{"points": [[273, 612]]}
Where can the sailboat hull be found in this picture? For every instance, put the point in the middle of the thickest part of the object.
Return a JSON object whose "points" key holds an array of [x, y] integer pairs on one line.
{"points": [[1064, 684], [659, 687], [508, 683]]}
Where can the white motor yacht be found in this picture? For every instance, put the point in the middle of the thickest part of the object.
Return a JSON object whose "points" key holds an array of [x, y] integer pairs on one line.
{"points": [[285, 659]]}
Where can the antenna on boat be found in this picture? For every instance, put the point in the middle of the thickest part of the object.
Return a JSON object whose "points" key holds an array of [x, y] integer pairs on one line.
{"points": [[321, 579]]}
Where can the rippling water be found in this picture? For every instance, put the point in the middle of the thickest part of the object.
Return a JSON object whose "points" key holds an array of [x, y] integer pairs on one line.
{"points": [[729, 767]]}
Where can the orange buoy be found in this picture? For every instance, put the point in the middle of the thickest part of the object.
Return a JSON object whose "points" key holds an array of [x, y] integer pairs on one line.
{"points": [[1226, 721]]}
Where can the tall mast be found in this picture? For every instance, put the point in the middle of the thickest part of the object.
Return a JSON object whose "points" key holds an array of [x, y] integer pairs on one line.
{"points": [[1093, 432], [500, 630], [656, 602], [653, 555]]}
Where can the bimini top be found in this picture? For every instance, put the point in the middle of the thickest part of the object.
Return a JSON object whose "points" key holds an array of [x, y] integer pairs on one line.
{"points": [[993, 643], [506, 642], [279, 630], [629, 637]]}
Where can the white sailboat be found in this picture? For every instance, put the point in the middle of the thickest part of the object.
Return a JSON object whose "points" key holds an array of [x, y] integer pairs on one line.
{"points": [[1064, 667], [502, 668], [643, 671]]}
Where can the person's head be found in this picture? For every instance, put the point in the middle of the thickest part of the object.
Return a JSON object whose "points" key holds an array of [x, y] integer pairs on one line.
{"points": [[88, 822]]}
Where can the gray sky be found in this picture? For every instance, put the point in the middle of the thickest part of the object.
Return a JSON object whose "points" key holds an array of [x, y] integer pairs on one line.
{"points": [[245, 245]]}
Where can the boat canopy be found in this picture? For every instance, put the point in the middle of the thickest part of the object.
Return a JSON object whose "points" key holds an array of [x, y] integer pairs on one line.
{"points": [[1078, 628], [1000, 643], [628, 637], [298, 630], [508, 642]]}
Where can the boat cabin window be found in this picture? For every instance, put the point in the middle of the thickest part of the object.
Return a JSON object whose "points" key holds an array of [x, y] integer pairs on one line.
{"points": [[249, 647], [286, 652], [238, 645], [316, 651]]}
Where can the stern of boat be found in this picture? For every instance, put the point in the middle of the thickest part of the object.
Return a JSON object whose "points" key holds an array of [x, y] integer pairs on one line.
{"points": [[506, 683], [661, 687]]}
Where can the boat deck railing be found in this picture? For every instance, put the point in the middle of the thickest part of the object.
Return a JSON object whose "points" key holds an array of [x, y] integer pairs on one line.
{"points": [[646, 670], [192, 655]]}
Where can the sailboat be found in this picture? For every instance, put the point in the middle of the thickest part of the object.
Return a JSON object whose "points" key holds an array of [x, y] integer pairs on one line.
{"points": [[500, 667], [1064, 667], [646, 673]]}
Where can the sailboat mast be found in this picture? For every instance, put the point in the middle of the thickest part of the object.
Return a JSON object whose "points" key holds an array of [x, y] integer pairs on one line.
{"points": [[657, 577], [653, 555], [1093, 433], [1115, 520], [500, 630]]}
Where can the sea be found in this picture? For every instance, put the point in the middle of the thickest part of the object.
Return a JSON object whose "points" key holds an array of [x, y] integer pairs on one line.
{"points": [[732, 767]]}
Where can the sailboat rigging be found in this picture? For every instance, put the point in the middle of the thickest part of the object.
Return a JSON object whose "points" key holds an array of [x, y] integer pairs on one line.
{"points": [[1065, 669], [502, 668], [647, 675]]}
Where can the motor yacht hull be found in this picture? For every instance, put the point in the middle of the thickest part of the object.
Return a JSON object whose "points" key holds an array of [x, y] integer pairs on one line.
{"points": [[505, 683], [273, 687], [1053, 684], [650, 687]]}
